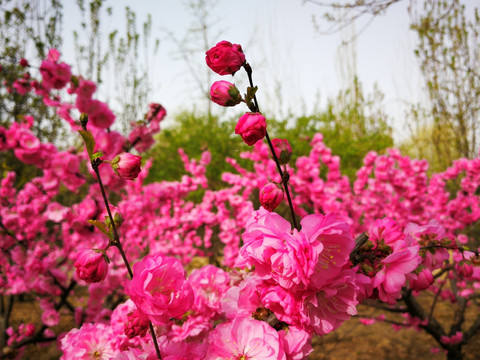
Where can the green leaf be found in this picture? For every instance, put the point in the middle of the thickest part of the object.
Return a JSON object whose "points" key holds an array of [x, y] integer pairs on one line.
{"points": [[250, 94], [89, 142], [96, 155], [101, 226]]}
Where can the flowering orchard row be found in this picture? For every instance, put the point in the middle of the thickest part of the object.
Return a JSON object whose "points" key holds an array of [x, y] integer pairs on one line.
{"points": [[271, 285]]}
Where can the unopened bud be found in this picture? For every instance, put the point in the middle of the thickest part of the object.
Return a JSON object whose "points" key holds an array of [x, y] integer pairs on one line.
{"points": [[271, 196], [225, 93], [283, 150], [127, 165]]}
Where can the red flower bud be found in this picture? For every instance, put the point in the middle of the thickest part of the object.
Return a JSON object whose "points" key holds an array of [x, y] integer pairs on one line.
{"points": [[127, 165], [24, 62], [225, 58], [225, 94], [251, 127], [271, 196], [156, 112], [136, 324], [91, 266], [283, 150]]}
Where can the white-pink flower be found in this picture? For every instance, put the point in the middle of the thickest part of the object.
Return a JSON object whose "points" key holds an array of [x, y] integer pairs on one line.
{"points": [[244, 338], [90, 342]]}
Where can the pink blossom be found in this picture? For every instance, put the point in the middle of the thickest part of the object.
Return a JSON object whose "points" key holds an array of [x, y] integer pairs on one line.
{"points": [[225, 93], [283, 150], [55, 75], [296, 343], [251, 127], [159, 288], [136, 324], [390, 280], [278, 253], [101, 116], [335, 303], [331, 236], [225, 58], [90, 342], [271, 195], [127, 165], [23, 62], [244, 338], [456, 338], [91, 265], [423, 281], [209, 284], [85, 89]]}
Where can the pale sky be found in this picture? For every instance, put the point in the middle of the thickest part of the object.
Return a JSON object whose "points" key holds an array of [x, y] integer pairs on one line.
{"points": [[283, 48]]}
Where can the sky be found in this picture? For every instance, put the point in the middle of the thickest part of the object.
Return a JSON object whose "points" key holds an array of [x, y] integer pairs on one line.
{"points": [[296, 68]]}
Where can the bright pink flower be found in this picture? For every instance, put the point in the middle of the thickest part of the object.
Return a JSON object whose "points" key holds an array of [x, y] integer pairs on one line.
{"points": [[22, 86], [244, 338], [55, 75], [90, 342], [156, 112], [331, 236], [85, 89], [452, 340], [251, 127], [91, 265], [276, 252], [390, 280], [423, 281], [225, 93], [101, 116], [335, 303], [296, 343], [159, 288], [127, 165], [285, 304], [141, 138], [209, 284], [136, 324], [225, 58], [271, 195], [283, 150], [244, 299]]}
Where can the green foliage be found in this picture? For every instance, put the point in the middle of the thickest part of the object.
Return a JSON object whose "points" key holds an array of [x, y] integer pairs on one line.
{"points": [[448, 43], [27, 27], [195, 133], [351, 126], [125, 68]]}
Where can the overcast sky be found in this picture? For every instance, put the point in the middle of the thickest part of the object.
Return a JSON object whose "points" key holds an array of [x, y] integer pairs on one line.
{"points": [[288, 56]]}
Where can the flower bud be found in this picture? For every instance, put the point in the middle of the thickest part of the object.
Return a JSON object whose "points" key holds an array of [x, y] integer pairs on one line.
{"points": [[251, 127], [156, 112], [423, 281], [136, 324], [127, 165], [225, 93], [271, 196], [283, 150], [91, 265], [23, 62], [225, 58]]}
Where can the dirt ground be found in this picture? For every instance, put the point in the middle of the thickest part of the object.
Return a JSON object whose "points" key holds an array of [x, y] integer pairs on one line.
{"points": [[352, 341]]}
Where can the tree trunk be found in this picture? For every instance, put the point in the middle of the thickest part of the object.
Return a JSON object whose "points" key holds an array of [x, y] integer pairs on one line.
{"points": [[455, 352]]}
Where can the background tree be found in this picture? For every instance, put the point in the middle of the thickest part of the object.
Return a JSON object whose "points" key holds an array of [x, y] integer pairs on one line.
{"points": [[123, 65], [448, 52]]}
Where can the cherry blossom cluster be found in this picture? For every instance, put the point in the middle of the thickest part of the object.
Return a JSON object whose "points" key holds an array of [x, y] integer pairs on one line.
{"points": [[218, 278]]}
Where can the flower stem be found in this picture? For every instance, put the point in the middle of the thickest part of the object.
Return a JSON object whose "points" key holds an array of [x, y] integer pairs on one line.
{"points": [[116, 241], [285, 176]]}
